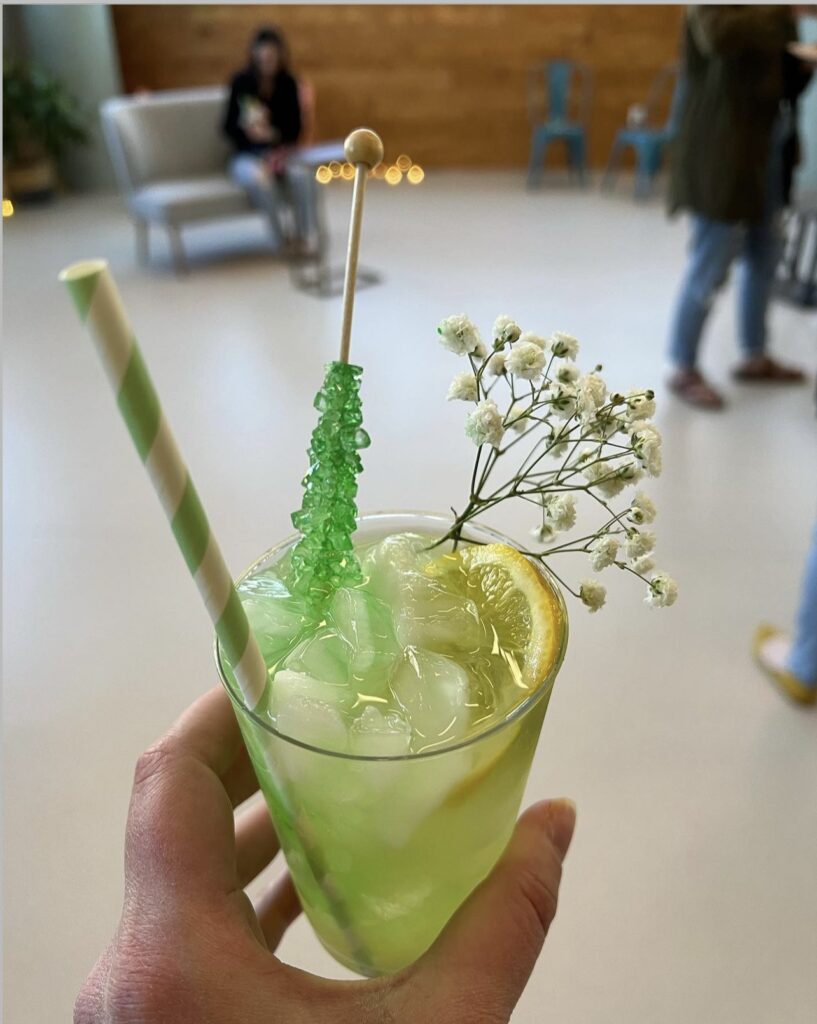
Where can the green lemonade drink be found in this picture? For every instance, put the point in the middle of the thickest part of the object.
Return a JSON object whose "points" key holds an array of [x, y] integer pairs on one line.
{"points": [[396, 733]]}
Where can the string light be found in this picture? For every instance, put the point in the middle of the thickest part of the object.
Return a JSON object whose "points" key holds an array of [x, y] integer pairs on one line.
{"points": [[415, 174], [392, 174], [8, 208]]}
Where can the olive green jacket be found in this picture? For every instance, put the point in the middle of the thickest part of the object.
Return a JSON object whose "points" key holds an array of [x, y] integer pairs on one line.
{"points": [[734, 81]]}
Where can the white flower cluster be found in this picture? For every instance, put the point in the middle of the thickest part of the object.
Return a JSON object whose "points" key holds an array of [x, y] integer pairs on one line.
{"points": [[605, 442], [484, 425], [460, 336]]}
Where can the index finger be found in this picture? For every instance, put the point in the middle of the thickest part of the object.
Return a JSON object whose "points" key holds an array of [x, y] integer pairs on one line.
{"points": [[180, 825], [208, 730]]}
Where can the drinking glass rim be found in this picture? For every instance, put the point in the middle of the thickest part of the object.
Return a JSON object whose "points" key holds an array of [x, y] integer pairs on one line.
{"points": [[518, 712]]}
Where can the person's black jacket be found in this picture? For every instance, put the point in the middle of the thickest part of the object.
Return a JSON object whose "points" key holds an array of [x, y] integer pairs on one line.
{"points": [[736, 74], [283, 106]]}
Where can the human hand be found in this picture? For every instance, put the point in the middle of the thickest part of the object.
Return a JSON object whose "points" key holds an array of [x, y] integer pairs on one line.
{"points": [[260, 132], [192, 949], [807, 52]]}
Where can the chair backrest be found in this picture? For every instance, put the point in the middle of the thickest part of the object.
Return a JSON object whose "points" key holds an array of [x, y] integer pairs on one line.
{"points": [[666, 93], [306, 101], [162, 135], [559, 90]]}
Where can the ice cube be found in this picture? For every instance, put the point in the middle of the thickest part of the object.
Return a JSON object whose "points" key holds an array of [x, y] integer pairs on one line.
{"points": [[387, 563], [325, 655], [308, 710], [432, 617], [276, 617], [375, 734], [365, 624], [433, 692], [267, 583]]}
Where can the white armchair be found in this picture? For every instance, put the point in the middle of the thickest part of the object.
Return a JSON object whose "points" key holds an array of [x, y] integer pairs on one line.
{"points": [[171, 162]]}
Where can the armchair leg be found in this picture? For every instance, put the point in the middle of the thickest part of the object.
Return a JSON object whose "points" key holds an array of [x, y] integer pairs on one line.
{"points": [[177, 249], [142, 241]]}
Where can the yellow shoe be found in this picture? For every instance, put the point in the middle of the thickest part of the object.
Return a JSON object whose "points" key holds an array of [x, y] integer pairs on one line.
{"points": [[766, 639]]}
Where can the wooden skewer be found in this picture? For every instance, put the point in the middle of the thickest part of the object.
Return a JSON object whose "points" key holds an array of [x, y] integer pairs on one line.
{"points": [[364, 150]]}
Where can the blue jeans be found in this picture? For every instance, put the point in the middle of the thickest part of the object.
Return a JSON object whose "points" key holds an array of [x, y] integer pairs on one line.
{"points": [[803, 655], [714, 245], [294, 191]]}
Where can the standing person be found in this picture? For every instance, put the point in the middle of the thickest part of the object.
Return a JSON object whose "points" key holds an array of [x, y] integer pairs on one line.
{"points": [[263, 120], [732, 169]]}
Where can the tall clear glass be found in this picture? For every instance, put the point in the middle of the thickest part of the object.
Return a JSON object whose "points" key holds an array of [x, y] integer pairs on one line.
{"points": [[383, 850]]}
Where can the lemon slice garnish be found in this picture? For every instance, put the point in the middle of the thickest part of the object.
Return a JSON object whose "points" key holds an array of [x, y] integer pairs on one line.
{"points": [[513, 599]]}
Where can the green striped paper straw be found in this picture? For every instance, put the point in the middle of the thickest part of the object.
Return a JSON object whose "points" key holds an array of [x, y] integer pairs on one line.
{"points": [[100, 308]]}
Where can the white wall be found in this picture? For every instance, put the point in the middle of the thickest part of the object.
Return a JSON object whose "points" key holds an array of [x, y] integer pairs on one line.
{"points": [[77, 44]]}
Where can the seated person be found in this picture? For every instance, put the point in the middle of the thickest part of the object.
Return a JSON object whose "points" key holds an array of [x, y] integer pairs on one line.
{"points": [[263, 120]]}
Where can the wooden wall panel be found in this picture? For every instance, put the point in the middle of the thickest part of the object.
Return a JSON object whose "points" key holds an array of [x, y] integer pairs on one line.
{"points": [[445, 83]]}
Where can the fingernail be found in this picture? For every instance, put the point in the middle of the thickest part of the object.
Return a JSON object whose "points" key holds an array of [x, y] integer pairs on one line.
{"points": [[562, 819]]}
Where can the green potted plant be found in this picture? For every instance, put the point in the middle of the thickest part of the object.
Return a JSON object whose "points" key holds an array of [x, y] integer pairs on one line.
{"points": [[40, 120]]}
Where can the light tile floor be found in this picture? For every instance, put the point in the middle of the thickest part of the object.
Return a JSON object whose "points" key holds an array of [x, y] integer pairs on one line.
{"points": [[691, 890]]}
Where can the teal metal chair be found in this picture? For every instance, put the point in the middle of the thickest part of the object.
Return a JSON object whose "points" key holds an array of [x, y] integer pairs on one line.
{"points": [[559, 98], [649, 140]]}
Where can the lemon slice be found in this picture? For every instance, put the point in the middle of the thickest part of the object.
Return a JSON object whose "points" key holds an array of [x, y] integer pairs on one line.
{"points": [[513, 599], [517, 603]]}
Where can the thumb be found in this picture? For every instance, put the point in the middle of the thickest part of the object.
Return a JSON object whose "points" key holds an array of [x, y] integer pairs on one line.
{"points": [[486, 953]]}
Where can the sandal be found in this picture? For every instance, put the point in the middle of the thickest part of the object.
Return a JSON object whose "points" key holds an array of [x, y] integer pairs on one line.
{"points": [[690, 387], [767, 645], [766, 371]]}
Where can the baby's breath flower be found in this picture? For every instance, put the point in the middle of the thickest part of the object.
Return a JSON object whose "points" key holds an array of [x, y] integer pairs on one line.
{"points": [[643, 565], [567, 373], [484, 424], [516, 418], [662, 592], [480, 351], [533, 339], [562, 399], [630, 472], [525, 360], [557, 441], [459, 335], [463, 388], [593, 594], [496, 364], [604, 425], [642, 509], [646, 441], [603, 552], [506, 330], [590, 394], [639, 543], [543, 533], [606, 477], [640, 404], [563, 346], [560, 511]]}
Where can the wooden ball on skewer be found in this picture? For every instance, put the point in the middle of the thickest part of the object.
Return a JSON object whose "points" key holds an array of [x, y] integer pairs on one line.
{"points": [[363, 146]]}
